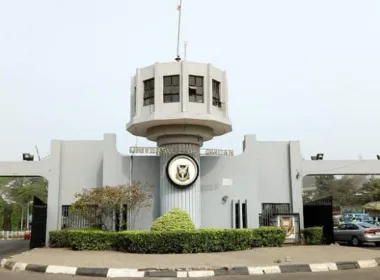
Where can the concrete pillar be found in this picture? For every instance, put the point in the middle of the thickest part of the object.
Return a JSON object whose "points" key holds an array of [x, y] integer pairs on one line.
{"points": [[171, 196]]}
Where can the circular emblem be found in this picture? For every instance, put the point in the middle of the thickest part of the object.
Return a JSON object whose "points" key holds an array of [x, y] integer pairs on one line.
{"points": [[182, 170]]}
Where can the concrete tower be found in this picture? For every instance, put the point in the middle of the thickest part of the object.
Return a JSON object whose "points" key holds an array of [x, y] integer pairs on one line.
{"points": [[179, 105]]}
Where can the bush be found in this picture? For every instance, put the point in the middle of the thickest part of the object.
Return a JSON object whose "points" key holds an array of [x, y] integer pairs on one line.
{"points": [[271, 236], [166, 242], [174, 220], [313, 235]]}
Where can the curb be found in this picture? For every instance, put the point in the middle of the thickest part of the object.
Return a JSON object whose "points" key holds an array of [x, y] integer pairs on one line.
{"points": [[176, 273]]}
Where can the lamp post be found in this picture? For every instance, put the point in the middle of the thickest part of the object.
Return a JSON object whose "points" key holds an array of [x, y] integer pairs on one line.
{"points": [[319, 156]]}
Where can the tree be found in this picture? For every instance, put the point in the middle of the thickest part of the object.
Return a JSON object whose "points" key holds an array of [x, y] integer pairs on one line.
{"points": [[20, 191], [370, 191], [345, 191], [100, 205]]}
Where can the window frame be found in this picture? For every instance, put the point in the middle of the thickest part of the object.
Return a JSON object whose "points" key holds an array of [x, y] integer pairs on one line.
{"points": [[148, 97], [196, 86], [173, 97], [216, 100]]}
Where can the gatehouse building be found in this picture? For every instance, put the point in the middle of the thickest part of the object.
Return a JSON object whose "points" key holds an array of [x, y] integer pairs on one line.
{"points": [[181, 105]]}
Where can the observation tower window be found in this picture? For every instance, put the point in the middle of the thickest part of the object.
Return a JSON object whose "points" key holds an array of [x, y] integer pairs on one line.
{"points": [[196, 89], [171, 89], [216, 93], [149, 92]]}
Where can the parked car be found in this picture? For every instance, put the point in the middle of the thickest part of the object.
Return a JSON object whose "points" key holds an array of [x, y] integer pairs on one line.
{"points": [[27, 235], [372, 222], [357, 233]]}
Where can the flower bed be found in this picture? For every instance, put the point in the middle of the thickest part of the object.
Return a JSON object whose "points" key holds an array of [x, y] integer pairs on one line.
{"points": [[165, 242]]}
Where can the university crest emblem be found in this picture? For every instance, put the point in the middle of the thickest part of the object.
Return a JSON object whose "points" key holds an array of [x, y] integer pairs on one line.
{"points": [[182, 172]]}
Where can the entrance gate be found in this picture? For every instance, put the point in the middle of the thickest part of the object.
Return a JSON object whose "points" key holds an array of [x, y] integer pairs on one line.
{"points": [[319, 213], [39, 215]]}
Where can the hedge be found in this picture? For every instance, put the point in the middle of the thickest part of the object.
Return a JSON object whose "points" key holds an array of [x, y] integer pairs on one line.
{"points": [[271, 236], [313, 235], [165, 242]]}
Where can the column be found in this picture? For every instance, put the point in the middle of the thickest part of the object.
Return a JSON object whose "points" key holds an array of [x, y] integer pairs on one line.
{"points": [[187, 198]]}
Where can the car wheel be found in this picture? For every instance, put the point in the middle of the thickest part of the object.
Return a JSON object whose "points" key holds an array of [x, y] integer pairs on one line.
{"points": [[377, 244], [355, 241]]}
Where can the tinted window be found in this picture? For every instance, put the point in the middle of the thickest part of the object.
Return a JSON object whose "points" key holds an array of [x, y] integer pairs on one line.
{"points": [[367, 225], [352, 226]]}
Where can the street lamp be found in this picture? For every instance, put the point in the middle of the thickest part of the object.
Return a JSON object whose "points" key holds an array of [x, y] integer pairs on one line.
{"points": [[319, 156], [27, 157]]}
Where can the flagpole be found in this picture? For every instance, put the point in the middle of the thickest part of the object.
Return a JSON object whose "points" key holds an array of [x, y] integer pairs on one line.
{"points": [[178, 58]]}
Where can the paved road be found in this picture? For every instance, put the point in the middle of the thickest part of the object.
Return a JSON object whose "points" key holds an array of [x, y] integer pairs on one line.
{"points": [[367, 274], [12, 247]]}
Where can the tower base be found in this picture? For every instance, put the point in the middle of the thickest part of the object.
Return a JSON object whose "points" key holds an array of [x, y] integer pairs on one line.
{"points": [[187, 198]]}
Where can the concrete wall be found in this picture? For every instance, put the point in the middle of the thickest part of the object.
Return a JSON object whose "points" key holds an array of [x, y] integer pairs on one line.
{"points": [[266, 172]]}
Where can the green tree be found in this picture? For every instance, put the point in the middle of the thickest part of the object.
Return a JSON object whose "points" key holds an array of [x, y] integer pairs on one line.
{"points": [[345, 191], [370, 191], [98, 205], [19, 191]]}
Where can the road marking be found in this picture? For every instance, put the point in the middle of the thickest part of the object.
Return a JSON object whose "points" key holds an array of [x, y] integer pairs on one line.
{"points": [[367, 263], [332, 266], [19, 266], [255, 270], [319, 267], [121, 272], [55, 269], [271, 269], [181, 274], [201, 273], [3, 261]]}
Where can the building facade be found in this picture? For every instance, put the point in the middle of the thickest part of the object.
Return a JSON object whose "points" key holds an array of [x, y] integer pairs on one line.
{"points": [[181, 105]]}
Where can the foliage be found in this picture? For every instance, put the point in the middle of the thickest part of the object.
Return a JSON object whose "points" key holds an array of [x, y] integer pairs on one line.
{"points": [[16, 194], [166, 242], [271, 236], [313, 235], [370, 191], [347, 191], [109, 200], [342, 190], [175, 219]]}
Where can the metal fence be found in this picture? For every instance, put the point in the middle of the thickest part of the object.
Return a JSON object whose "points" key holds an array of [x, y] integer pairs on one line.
{"points": [[269, 210], [73, 219]]}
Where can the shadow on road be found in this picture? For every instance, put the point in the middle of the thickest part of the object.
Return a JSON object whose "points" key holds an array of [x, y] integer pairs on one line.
{"points": [[11, 247]]}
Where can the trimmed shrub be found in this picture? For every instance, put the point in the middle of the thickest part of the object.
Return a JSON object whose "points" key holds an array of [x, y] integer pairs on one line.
{"points": [[175, 219], [271, 236], [83, 240], [167, 242], [313, 235]]}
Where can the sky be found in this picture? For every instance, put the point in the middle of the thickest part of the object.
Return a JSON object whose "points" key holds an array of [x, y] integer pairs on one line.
{"points": [[298, 70]]}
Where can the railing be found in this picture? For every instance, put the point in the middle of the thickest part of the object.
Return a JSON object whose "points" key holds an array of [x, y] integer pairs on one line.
{"points": [[11, 235], [270, 210], [76, 220]]}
